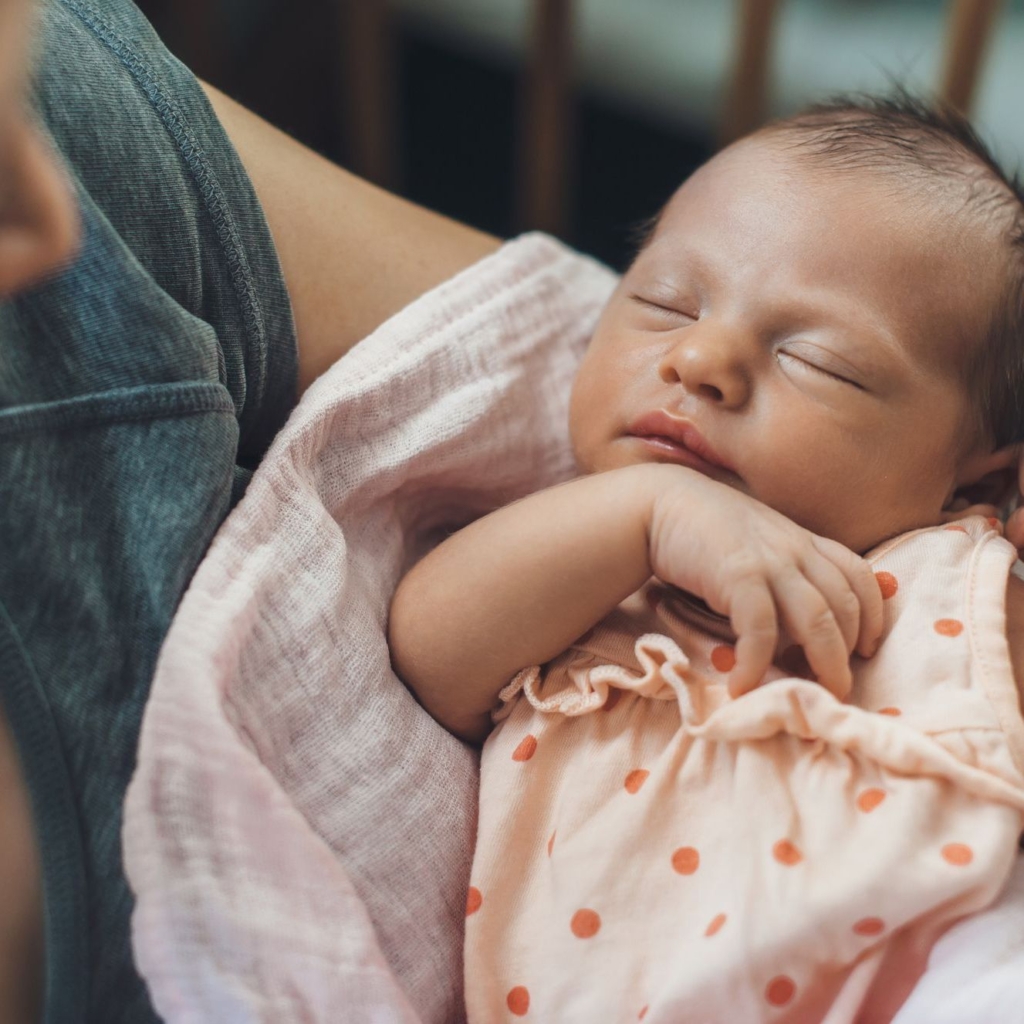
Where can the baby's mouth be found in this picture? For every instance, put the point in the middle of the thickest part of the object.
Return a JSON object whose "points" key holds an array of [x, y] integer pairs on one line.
{"points": [[667, 450], [678, 440], [671, 440]]}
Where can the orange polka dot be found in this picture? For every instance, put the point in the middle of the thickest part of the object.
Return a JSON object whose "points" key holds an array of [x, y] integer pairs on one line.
{"points": [[613, 698], [958, 854], [949, 627], [526, 749], [723, 657], [956, 529], [780, 990], [786, 853], [551, 842], [869, 799], [686, 860], [891, 712], [635, 779], [869, 926], [474, 900], [887, 584], [642, 1013], [585, 923], [518, 1000], [715, 926]]}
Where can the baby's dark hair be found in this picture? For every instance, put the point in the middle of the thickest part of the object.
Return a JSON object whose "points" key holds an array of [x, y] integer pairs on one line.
{"points": [[928, 144]]}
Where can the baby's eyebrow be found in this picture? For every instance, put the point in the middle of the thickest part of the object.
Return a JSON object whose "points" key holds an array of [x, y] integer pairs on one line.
{"points": [[662, 281], [691, 262]]}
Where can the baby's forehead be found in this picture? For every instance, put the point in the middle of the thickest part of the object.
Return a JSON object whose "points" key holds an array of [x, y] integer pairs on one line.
{"points": [[763, 180], [858, 241], [775, 169]]}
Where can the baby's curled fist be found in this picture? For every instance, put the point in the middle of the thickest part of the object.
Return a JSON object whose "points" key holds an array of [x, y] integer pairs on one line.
{"points": [[764, 572]]}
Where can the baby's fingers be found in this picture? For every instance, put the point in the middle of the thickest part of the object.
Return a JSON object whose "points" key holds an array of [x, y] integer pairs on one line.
{"points": [[755, 622], [833, 585], [865, 586], [812, 624]]}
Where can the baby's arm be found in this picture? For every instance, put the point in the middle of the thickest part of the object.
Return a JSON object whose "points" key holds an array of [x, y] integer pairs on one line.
{"points": [[518, 586], [515, 588]]}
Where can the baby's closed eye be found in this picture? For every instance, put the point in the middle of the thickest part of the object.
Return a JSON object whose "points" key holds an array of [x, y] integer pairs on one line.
{"points": [[818, 366], [666, 310]]}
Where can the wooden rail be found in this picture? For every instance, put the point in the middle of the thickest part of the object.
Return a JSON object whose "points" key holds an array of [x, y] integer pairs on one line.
{"points": [[545, 127], [969, 27], [546, 119], [749, 82], [368, 90]]}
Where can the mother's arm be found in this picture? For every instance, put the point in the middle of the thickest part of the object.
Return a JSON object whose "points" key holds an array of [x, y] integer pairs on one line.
{"points": [[352, 254]]}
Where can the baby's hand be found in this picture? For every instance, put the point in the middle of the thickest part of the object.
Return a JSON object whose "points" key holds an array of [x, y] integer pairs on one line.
{"points": [[762, 570]]}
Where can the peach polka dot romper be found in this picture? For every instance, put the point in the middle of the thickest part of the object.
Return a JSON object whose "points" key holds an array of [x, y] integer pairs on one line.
{"points": [[651, 850]]}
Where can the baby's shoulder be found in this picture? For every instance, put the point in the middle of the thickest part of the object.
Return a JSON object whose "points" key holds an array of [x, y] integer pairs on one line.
{"points": [[1015, 629]]}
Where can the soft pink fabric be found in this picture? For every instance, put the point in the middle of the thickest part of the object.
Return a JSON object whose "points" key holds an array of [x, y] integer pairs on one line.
{"points": [[298, 833], [650, 849]]}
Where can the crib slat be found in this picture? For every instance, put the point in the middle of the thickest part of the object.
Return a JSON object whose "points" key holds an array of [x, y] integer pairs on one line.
{"points": [[368, 111], [201, 30], [545, 130], [969, 27], [747, 93]]}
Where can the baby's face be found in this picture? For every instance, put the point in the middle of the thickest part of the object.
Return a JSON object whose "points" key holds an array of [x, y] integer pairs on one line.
{"points": [[806, 331]]}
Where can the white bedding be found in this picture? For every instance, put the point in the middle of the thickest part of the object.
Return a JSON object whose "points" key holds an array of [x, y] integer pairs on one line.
{"points": [[976, 970]]}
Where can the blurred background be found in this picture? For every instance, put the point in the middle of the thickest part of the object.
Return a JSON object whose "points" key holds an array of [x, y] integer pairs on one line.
{"points": [[580, 117]]}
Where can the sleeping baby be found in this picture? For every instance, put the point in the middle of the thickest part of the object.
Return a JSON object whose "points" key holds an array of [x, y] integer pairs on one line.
{"points": [[758, 738]]}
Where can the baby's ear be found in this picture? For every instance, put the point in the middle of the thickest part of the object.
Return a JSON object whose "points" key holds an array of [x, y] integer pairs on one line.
{"points": [[995, 479]]}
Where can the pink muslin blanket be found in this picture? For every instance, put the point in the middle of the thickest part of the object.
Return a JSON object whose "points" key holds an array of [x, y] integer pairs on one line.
{"points": [[298, 832]]}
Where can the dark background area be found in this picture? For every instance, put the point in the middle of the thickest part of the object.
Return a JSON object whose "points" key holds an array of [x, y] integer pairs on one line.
{"points": [[457, 116]]}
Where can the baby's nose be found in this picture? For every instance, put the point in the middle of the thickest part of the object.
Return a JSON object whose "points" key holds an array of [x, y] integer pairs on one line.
{"points": [[715, 364]]}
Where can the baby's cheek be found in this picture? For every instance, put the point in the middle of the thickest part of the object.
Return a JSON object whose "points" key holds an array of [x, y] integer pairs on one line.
{"points": [[819, 505]]}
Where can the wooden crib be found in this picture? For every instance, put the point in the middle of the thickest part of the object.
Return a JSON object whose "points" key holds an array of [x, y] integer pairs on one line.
{"points": [[545, 137]]}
